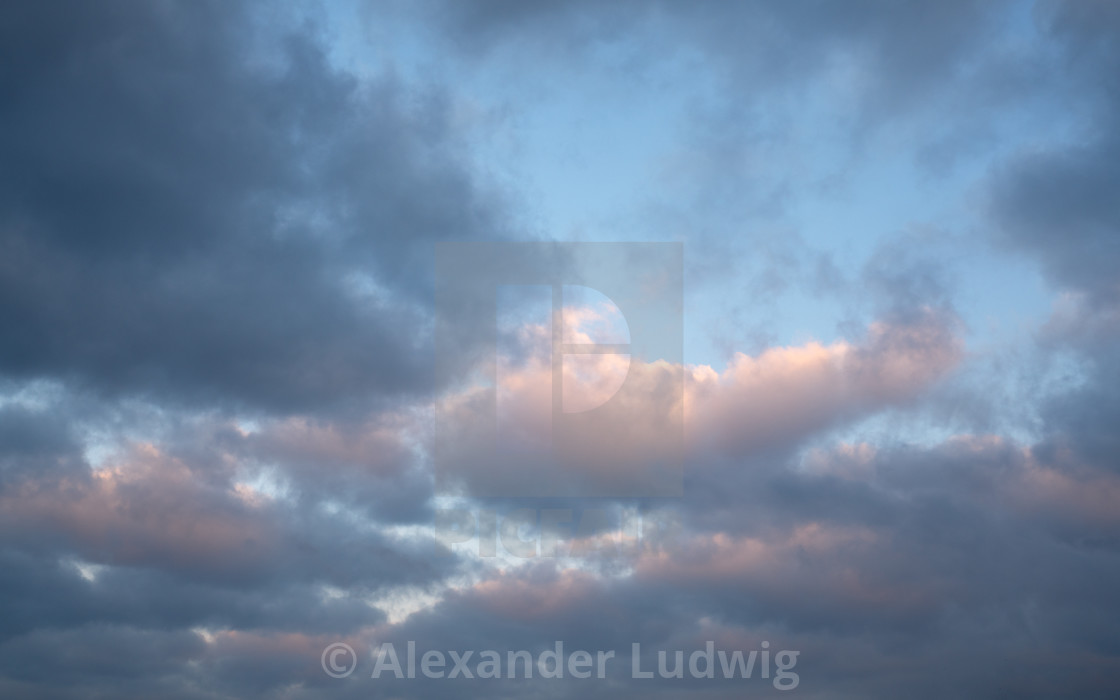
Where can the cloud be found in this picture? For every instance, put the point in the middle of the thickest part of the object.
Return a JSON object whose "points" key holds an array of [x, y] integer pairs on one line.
{"points": [[187, 209], [959, 561], [216, 389], [786, 394], [1055, 200]]}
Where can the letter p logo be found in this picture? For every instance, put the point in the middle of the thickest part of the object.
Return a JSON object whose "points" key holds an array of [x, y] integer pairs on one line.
{"points": [[563, 368]]}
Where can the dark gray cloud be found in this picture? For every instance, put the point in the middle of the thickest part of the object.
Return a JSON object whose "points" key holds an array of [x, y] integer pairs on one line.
{"points": [[966, 569], [112, 576], [192, 515], [1060, 206], [1058, 201], [32, 443], [196, 205]]}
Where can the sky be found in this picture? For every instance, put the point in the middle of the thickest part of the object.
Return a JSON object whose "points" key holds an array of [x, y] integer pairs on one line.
{"points": [[791, 328]]}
